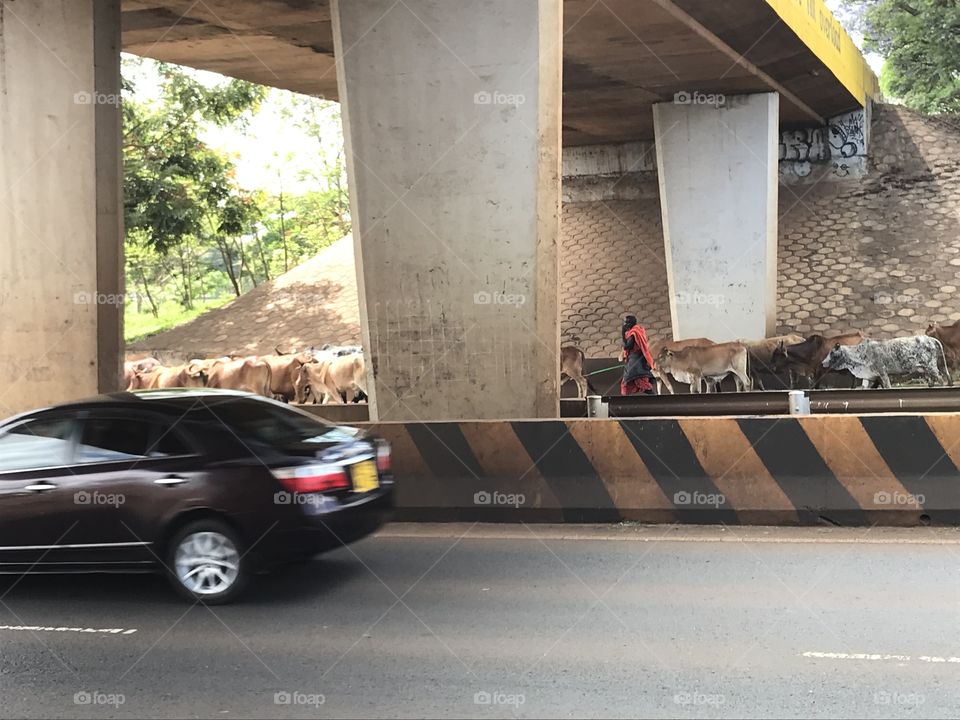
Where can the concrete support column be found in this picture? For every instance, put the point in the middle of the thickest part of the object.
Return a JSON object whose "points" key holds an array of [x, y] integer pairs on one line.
{"points": [[452, 123], [717, 164], [61, 259]]}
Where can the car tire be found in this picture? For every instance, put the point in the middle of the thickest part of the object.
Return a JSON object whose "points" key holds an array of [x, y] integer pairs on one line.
{"points": [[205, 562]]}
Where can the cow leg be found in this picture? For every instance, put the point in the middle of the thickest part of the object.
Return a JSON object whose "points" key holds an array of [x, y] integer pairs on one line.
{"points": [[933, 376], [663, 381], [695, 382]]}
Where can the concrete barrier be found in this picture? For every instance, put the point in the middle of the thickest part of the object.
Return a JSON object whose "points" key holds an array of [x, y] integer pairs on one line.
{"points": [[350, 414], [821, 469]]}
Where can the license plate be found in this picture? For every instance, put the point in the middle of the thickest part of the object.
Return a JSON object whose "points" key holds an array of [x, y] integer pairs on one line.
{"points": [[365, 476]]}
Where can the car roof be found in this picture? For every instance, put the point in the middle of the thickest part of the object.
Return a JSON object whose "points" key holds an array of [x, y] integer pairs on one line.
{"points": [[171, 400]]}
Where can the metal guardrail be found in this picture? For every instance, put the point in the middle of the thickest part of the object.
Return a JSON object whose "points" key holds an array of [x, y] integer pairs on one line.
{"points": [[775, 402]]}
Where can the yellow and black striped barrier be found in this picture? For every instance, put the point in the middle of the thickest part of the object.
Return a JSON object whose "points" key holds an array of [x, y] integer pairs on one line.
{"points": [[784, 470]]}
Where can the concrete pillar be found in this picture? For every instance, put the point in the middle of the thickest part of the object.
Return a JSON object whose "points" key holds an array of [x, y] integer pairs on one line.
{"points": [[61, 256], [717, 165], [452, 122]]}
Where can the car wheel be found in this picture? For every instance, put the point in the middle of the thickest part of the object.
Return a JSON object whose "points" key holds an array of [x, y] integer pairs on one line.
{"points": [[205, 562]]}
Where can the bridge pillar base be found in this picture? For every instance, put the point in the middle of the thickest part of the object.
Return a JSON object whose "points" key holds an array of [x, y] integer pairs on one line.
{"points": [[452, 125], [717, 163], [61, 251]]}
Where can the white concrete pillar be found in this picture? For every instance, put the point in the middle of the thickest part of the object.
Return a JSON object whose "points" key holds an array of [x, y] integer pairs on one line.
{"points": [[717, 165], [61, 253], [452, 123]]}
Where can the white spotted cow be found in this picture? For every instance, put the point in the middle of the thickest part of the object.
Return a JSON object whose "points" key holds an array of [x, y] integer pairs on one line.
{"points": [[873, 359]]}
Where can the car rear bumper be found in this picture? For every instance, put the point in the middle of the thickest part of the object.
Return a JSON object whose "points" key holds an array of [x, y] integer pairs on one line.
{"points": [[322, 531]]}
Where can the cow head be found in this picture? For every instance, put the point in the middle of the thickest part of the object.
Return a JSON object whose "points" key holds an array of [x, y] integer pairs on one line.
{"points": [[779, 358], [301, 383], [933, 329], [195, 374], [835, 358], [664, 361]]}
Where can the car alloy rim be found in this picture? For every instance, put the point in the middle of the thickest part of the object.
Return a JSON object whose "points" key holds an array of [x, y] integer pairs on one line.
{"points": [[207, 562]]}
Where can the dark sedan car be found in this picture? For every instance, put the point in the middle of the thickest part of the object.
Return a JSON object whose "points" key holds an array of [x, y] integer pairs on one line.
{"points": [[208, 486]]}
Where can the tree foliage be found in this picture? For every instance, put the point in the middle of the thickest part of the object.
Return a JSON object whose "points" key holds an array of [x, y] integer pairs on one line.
{"points": [[920, 41], [193, 234]]}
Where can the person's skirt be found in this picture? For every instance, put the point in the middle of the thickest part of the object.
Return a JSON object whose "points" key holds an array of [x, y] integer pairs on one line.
{"points": [[636, 377]]}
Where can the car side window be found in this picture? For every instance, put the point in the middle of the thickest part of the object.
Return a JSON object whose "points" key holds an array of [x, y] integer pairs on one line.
{"points": [[167, 442], [36, 444], [114, 439]]}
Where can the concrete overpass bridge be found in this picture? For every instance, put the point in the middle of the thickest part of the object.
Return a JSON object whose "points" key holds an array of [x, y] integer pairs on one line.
{"points": [[456, 116]]}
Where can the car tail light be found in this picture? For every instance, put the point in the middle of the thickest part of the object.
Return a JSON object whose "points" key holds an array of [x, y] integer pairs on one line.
{"points": [[383, 456], [312, 478]]}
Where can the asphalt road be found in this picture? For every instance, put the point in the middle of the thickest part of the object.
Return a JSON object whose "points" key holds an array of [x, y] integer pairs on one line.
{"points": [[486, 621]]}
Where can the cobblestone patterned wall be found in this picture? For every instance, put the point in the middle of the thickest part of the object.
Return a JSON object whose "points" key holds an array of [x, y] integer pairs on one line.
{"points": [[880, 254]]}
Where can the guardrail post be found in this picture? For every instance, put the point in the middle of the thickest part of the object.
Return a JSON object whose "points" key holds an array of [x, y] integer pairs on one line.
{"points": [[596, 408], [799, 402]]}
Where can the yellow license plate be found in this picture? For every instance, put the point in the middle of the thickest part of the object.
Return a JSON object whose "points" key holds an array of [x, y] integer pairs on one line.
{"points": [[365, 477]]}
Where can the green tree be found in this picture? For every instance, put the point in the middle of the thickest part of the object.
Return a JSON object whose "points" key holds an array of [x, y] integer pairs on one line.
{"points": [[920, 41], [172, 179]]}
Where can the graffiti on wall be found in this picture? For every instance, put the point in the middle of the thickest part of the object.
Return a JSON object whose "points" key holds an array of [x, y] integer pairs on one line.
{"points": [[836, 151], [847, 136], [804, 145]]}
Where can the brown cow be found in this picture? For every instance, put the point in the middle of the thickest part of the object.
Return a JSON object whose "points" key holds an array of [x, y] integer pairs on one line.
{"points": [[284, 369], [249, 374], [760, 355], [707, 362], [806, 358], [132, 367], [327, 381], [315, 381], [663, 378], [179, 376], [949, 337], [571, 365]]}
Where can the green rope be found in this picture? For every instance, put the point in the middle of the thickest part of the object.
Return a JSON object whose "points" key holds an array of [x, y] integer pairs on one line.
{"points": [[595, 372]]}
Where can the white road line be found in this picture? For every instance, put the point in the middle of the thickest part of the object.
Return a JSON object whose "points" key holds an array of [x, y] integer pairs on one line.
{"points": [[877, 656], [62, 628], [742, 534]]}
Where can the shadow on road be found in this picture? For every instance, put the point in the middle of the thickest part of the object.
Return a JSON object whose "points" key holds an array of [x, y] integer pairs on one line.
{"points": [[312, 578]]}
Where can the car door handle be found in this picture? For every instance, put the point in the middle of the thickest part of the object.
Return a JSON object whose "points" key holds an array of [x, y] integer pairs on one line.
{"points": [[40, 487], [171, 481]]}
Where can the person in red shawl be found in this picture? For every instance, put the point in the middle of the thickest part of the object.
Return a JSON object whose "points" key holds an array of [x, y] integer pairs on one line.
{"points": [[638, 371]]}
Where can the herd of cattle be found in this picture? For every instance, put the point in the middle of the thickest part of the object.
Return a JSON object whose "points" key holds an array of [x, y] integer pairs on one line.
{"points": [[850, 358], [332, 374], [336, 374]]}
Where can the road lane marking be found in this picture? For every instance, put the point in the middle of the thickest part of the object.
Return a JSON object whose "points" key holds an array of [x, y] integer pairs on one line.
{"points": [[742, 534], [879, 656], [63, 628]]}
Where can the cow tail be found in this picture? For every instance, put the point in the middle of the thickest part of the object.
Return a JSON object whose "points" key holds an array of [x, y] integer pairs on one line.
{"points": [[943, 356]]}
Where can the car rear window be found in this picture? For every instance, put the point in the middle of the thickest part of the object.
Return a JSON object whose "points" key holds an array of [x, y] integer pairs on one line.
{"points": [[276, 425]]}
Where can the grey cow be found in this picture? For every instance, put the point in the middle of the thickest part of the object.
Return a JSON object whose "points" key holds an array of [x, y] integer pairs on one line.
{"points": [[874, 359]]}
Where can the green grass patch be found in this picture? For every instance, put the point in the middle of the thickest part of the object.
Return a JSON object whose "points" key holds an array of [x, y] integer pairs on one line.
{"points": [[138, 325]]}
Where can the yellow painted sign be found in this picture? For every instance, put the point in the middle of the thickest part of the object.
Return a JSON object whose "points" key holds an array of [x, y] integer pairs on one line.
{"points": [[813, 23]]}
